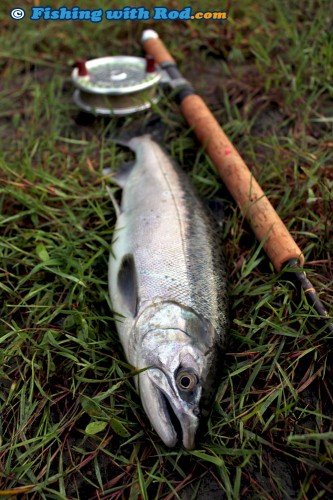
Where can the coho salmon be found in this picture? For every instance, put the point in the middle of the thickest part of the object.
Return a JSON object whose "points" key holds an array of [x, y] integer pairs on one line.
{"points": [[167, 281]]}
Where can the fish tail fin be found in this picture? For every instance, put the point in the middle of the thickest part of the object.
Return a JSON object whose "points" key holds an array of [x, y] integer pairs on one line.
{"points": [[123, 171]]}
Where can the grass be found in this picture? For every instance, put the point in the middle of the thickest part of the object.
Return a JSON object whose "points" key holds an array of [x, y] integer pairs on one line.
{"points": [[71, 424]]}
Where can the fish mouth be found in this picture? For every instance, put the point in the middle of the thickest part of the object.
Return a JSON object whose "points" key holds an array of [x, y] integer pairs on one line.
{"points": [[174, 421], [184, 423], [172, 418]]}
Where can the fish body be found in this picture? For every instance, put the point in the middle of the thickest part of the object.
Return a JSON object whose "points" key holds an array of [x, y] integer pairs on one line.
{"points": [[167, 282]]}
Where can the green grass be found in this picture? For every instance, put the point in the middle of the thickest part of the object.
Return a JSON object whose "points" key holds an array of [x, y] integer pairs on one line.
{"points": [[71, 424]]}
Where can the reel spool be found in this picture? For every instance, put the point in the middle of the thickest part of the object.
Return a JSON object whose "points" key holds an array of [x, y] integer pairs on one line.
{"points": [[117, 85]]}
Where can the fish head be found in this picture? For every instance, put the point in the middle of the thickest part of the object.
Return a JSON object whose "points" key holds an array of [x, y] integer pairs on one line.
{"points": [[176, 366]]}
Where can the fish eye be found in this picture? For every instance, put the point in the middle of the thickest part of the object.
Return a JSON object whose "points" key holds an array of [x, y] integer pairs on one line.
{"points": [[186, 381]]}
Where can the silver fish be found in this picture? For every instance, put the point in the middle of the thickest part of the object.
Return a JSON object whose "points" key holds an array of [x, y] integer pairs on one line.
{"points": [[167, 281]]}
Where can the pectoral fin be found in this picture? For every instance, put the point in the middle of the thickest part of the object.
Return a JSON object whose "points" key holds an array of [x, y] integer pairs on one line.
{"points": [[127, 284]]}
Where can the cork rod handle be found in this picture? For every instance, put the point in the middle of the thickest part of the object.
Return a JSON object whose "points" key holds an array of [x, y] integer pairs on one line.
{"points": [[255, 206], [154, 46]]}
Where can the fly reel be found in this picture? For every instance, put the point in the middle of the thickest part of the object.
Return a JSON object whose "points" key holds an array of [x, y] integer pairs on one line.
{"points": [[117, 85]]}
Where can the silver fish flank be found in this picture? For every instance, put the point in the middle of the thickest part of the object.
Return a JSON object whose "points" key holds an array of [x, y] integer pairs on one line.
{"points": [[167, 282]]}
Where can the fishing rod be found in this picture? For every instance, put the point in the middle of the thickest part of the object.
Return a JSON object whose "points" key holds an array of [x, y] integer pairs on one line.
{"points": [[278, 243]]}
